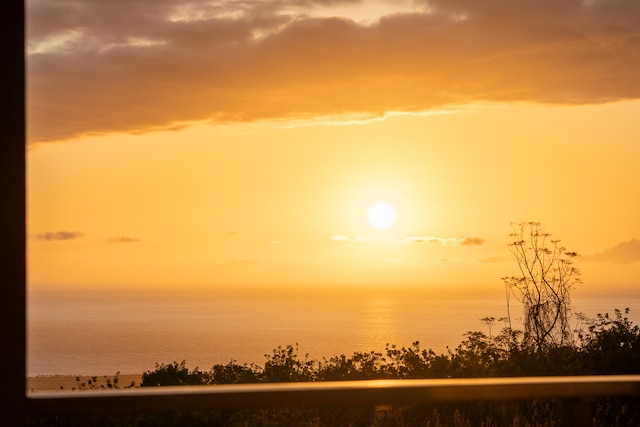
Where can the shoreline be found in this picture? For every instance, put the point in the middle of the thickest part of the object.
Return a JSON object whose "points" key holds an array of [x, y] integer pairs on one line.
{"points": [[48, 383]]}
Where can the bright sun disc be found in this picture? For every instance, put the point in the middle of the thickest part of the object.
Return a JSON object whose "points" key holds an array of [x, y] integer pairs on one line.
{"points": [[381, 215]]}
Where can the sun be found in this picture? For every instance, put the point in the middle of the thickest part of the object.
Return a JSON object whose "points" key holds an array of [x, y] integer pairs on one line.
{"points": [[381, 215]]}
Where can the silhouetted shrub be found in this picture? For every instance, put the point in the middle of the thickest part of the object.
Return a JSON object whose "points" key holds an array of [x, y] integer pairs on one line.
{"points": [[174, 374]]}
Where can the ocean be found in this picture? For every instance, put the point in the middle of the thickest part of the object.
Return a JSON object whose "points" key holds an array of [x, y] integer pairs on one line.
{"points": [[85, 333]]}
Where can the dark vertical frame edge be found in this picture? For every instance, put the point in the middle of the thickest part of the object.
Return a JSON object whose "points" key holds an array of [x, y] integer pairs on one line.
{"points": [[13, 212]]}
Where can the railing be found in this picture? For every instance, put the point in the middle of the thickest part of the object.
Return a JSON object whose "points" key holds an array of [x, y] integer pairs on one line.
{"points": [[580, 391]]}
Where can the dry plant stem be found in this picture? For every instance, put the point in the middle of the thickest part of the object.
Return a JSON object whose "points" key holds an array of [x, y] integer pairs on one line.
{"points": [[547, 274]]}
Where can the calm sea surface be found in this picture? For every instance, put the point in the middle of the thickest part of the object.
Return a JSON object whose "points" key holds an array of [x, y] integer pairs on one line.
{"points": [[102, 334]]}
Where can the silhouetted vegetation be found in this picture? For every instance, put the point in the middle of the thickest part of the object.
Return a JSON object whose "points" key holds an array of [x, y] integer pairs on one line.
{"points": [[110, 383], [547, 346], [607, 345], [610, 345], [547, 275]]}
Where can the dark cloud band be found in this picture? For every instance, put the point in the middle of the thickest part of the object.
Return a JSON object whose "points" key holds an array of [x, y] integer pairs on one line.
{"points": [[49, 236], [133, 66]]}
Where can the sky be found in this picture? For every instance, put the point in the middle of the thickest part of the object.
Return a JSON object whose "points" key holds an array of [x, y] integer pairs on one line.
{"points": [[240, 144]]}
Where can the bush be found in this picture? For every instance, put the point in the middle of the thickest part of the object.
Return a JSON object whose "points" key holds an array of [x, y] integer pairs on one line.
{"points": [[174, 374]]}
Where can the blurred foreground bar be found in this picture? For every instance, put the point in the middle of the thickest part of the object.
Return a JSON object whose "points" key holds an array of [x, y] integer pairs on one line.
{"points": [[578, 390]]}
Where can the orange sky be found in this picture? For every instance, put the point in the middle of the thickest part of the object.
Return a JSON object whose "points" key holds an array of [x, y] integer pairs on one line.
{"points": [[240, 143]]}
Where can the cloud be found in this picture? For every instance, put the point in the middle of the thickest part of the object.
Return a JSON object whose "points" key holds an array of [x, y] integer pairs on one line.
{"points": [[142, 65], [444, 241], [625, 253], [340, 238], [123, 240], [424, 239], [50, 236], [471, 241], [447, 241]]}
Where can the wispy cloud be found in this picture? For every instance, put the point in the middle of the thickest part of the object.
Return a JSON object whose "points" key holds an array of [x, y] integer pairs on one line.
{"points": [[471, 241], [448, 260], [123, 239], [443, 241], [447, 241], [625, 253], [50, 236], [349, 119], [97, 66], [340, 238]]}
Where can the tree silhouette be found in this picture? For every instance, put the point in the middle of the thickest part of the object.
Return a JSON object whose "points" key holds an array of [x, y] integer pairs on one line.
{"points": [[547, 274]]}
